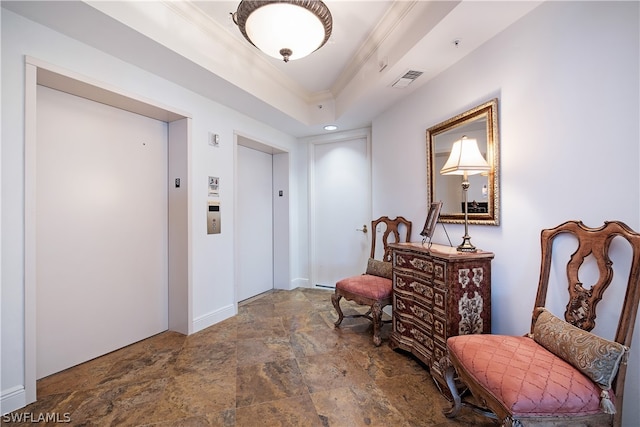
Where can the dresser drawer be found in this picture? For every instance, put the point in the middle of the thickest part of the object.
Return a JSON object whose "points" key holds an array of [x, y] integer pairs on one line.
{"points": [[416, 334], [416, 285], [414, 262], [406, 306]]}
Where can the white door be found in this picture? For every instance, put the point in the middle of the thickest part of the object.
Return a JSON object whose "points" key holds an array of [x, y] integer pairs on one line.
{"points": [[255, 222], [341, 203], [101, 229]]}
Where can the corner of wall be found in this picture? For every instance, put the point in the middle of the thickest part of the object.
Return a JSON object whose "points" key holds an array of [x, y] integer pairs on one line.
{"points": [[299, 283]]}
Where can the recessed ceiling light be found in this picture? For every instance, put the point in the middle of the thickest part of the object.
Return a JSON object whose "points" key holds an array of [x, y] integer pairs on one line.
{"points": [[330, 127]]}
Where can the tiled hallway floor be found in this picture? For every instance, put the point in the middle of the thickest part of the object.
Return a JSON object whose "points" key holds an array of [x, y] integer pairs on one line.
{"points": [[279, 362]]}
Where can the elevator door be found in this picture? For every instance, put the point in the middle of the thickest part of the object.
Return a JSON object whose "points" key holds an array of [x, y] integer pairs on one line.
{"points": [[101, 229], [255, 222]]}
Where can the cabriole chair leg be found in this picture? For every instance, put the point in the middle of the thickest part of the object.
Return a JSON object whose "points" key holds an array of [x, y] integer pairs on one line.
{"points": [[376, 313], [449, 377], [335, 300]]}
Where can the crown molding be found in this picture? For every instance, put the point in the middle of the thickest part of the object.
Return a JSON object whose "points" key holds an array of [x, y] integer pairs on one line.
{"points": [[389, 22], [186, 30]]}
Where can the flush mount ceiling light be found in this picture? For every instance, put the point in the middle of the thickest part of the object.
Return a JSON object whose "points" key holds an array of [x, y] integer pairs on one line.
{"points": [[287, 29]]}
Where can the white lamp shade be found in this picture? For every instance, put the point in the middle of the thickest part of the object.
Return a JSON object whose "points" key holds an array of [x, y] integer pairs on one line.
{"points": [[277, 26], [465, 158]]}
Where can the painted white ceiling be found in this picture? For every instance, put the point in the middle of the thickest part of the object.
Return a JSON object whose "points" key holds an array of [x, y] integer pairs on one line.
{"points": [[347, 82], [319, 71]]}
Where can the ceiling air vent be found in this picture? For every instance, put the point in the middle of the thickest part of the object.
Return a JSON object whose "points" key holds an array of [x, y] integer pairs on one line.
{"points": [[407, 79]]}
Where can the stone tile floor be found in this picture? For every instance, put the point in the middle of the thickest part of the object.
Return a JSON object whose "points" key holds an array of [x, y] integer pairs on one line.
{"points": [[279, 362]]}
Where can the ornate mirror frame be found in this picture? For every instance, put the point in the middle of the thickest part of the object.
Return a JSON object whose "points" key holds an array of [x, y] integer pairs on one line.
{"points": [[481, 123]]}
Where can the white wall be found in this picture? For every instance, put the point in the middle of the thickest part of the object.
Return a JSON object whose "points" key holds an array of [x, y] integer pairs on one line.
{"points": [[212, 256], [567, 79]]}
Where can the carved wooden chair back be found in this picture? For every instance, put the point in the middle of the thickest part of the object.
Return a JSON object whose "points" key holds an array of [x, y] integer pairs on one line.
{"points": [[392, 227], [593, 245]]}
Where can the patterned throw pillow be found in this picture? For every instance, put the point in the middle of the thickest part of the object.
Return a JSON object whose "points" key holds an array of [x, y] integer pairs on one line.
{"points": [[595, 357], [379, 268]]}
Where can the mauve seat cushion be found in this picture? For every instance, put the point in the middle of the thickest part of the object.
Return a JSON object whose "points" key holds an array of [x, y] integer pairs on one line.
{"points": [[374, 287], [527, 378]]}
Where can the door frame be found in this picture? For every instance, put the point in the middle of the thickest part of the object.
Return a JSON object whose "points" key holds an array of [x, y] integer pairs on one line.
{"points": [[180, 316], [326, 139], [281, 168]]}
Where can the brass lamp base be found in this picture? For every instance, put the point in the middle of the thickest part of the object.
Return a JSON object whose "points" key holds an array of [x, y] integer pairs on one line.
{"points": [[466, 245]]}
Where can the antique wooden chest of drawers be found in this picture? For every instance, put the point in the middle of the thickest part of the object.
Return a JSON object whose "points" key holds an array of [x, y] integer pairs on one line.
{"points": [[438, 293]]}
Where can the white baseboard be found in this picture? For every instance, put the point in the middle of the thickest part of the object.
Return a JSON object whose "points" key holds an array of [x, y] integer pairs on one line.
{"points": [[299, 283], [295, 283], [12, 399], [214, 317]]}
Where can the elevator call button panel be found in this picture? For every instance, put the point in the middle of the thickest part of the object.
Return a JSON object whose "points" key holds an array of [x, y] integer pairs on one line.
{"points": [[213, 218]]}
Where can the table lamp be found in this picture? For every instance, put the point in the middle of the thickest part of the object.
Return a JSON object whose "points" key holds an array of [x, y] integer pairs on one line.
{"points": [[465, 159]]}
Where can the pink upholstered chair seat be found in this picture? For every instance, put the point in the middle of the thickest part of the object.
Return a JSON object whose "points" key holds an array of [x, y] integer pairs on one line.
{"points": [[373, 287], [528, 379]]}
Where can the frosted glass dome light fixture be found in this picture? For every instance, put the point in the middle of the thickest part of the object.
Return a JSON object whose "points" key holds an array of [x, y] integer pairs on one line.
{"points": [[284, 29]]}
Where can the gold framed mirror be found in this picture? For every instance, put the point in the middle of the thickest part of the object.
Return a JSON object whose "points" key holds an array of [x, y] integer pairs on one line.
{"points": [[480, 123]]}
